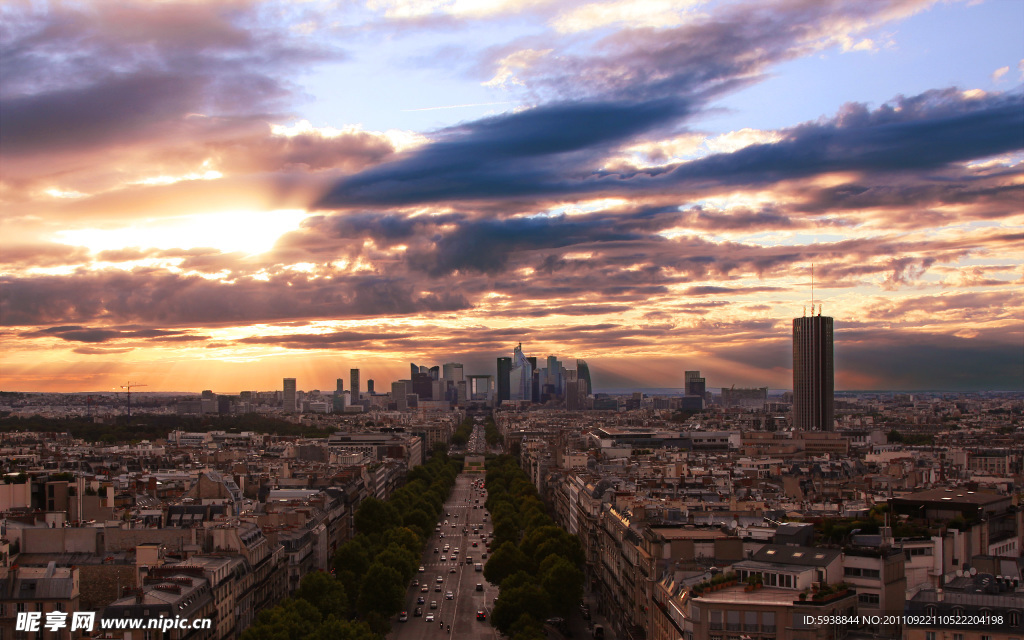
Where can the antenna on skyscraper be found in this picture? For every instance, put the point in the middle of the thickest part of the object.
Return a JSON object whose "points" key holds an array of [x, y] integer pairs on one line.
{"points": [[812, 288]]}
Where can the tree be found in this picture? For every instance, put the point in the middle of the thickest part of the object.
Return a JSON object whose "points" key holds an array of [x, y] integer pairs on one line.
{"points": [[405, 538], [382, 591], [400, 559], [293, 619], [353, 555], [563, 583], [527, 628], [334, 629], [506, 560], [374, 517], [526, 600], [324, 592]]}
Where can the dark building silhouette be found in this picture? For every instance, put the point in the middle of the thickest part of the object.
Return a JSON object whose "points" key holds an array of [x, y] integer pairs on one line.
{"points": [[504, 369], [813, 374], [583, 373]]}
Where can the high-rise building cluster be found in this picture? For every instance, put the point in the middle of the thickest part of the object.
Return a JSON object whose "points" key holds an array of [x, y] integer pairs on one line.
{"points": [[521, 380]]}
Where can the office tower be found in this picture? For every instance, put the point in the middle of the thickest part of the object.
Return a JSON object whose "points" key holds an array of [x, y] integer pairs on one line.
{"points": [[694, 384], [422, 386], [453, 371], [340, 388], [521, 376], [398, 395], [369, 386], [813, 373], [413, 369], [289, 395], [504, 370], [353, 376], [583, 373]]}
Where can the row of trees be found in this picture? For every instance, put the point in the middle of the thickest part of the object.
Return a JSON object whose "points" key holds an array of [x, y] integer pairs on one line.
{"points": [[367, 584], [536, 563], [463, 432], [491, 433]]}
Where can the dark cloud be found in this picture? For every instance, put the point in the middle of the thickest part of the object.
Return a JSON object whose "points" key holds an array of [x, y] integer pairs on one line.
{"points": [[42, 254], [74, 333], [540, 152], [187, 300], [90, 77], [710, 290], [926, 131], [505, 156]]}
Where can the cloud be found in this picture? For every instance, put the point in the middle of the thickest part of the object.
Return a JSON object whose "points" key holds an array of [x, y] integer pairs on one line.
{"points": [[173, 299], [501, 156], [552, 151]]}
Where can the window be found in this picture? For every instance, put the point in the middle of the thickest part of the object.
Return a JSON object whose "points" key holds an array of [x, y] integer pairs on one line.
{"points": [[929, 635], [958, 636], [858, 572], [867, 599], [1014, 618]]}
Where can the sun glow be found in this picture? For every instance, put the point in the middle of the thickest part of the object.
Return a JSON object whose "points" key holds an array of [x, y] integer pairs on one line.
{"points": [[249, 232]]}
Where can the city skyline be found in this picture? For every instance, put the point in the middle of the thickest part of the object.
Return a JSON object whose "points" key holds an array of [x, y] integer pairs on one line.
{"points": [[221, 195]]}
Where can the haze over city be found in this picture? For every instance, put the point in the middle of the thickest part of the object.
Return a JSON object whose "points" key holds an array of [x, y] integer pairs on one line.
{"points": [[220, 195]]}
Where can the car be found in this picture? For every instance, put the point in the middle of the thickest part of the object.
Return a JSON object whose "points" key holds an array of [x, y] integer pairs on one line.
{"points": [[415, 583], [475, 544], [479, 586], [437, 588], [481, 614], [452, 570], [419, 600], [433, 604], [469, 559], [443, 557], [449, 596], [403, 617], [478, 567], [447, 547], [436, 550], [484, 555], [440, 579], [424, 589], [430, 616], [418, 612], [422, 568]]}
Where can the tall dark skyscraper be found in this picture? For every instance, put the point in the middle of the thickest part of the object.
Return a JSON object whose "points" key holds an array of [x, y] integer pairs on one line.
{"points": [[353, 376], [583, 373], [813, 374], [504, 369], [289, 395]]}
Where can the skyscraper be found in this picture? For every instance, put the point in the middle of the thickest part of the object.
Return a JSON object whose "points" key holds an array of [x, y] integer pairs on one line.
{"points": [[504, 369], [813, 374], [695, 385], [583, 373], [353, 376], [289, 395], [521, 376]]}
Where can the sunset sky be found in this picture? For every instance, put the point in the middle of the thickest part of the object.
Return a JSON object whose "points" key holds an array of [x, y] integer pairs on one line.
{"points": [[219, 195]]}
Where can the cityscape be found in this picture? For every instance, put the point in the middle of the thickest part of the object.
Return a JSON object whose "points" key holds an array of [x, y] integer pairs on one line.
{"points": [[807, 514], [512, 319]]}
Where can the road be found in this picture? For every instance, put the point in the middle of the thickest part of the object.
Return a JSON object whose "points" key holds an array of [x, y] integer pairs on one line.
{"points": [[456, 525]]}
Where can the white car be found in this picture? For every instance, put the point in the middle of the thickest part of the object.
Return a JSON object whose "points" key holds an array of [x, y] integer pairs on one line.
{"points": [[422, 568], [429, 617]]}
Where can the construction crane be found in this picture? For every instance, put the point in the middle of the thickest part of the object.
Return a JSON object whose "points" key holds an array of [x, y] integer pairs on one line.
{"points": [[129, 388]]}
